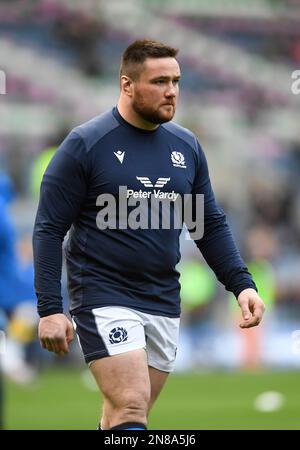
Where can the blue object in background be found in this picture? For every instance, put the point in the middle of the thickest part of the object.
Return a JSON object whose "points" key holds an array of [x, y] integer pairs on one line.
{"points": [[8, 256]]}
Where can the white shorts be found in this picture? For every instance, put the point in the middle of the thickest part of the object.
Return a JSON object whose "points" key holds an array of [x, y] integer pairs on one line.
{"points": [[112, 330]]}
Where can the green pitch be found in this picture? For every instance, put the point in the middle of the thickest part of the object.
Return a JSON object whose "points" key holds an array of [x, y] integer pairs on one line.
{"points": [[60, 399]]}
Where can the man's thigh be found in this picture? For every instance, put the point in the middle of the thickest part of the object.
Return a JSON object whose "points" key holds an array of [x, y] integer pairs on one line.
{"points": [[158, 379], [107, 333], [123, 378]]}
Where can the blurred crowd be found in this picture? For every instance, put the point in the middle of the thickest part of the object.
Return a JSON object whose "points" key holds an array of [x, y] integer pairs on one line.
{"points": [[250, 134]]}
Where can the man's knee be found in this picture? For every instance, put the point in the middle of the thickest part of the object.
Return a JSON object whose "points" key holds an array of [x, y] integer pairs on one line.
{"points": [[132, 400], [131, 406]]}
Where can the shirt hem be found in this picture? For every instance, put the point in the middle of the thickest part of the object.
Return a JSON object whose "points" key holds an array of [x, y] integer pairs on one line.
{"points": [[125, 305]]}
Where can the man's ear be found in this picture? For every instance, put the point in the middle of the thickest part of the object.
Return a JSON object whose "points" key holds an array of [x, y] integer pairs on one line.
{"points": [[126, 85]]}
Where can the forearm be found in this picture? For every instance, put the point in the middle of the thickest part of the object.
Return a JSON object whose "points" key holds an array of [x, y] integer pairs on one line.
{"points": [[48, 267], [222, 255]]}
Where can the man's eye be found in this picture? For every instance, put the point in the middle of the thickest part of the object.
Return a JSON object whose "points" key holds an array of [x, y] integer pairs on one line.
{"points": [[159, 82]]}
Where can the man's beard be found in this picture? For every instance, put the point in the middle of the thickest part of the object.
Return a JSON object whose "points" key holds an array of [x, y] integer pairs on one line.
{"points": [[155, 117]]}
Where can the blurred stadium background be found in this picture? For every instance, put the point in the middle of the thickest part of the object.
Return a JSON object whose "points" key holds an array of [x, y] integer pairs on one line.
{"points": [[61, 61]]}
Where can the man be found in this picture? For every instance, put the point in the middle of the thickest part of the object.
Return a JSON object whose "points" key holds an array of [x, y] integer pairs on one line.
{"points": [[123, 285]]}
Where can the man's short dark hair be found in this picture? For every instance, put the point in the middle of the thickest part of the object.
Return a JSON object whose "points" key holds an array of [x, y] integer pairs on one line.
{"points": [[136, 54]]}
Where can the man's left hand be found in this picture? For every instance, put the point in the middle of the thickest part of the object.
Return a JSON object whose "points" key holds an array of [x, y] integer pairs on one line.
{"points": [[252, 308]]}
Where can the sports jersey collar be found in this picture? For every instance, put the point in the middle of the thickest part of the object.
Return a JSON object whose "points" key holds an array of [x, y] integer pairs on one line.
{"points": [[120, 119]]}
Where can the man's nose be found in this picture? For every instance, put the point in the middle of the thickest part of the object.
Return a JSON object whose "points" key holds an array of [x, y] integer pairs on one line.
{"points": [[171, 91]]}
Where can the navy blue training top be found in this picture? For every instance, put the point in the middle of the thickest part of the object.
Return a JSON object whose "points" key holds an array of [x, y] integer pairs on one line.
{"points": [[124, 267]]}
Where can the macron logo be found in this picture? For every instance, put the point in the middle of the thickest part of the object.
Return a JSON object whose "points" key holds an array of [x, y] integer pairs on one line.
{"points": [[120, 155]]}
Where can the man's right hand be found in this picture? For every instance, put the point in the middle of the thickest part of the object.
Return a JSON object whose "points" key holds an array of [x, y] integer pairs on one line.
{"points": [[55, 333]]}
